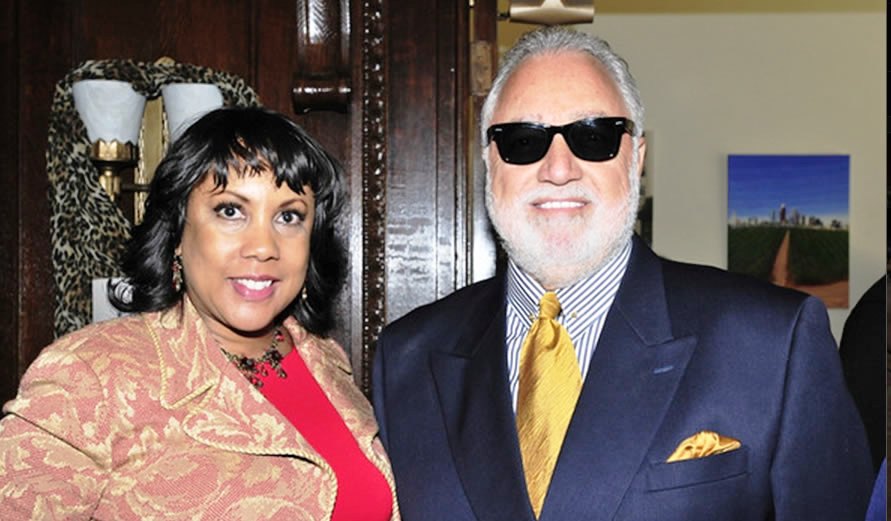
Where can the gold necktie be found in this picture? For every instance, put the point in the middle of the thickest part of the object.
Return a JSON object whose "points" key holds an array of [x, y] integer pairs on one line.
{"points": [[550, 382]]}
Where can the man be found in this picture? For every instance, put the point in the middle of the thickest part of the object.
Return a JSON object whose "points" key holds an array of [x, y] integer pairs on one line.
{"points": [[595, 380], [863, 351]]}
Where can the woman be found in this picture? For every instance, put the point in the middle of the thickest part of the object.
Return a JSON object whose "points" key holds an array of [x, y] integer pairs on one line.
{"points": [[219, 396]]}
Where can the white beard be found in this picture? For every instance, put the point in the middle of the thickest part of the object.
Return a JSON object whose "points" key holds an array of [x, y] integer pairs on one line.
{"points": [[554, 259]]}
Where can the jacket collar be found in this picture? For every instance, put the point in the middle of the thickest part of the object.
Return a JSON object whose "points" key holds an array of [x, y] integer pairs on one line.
{"points": [[182, 344], [224, 410]]}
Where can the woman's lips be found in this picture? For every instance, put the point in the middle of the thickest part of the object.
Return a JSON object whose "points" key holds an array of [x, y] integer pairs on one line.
{"points": [[254, 288]]}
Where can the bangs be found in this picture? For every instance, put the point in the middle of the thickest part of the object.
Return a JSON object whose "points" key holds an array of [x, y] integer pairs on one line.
{"points": [[273, 153]]}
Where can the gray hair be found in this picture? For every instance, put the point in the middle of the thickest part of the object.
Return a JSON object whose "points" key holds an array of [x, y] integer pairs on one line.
{"points": [[555, 39]]}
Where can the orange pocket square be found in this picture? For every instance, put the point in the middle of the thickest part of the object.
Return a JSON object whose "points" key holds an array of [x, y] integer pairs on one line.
{"points": [[702, 444]]}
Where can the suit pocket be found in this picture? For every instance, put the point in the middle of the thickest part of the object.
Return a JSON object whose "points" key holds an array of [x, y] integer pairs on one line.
{"points": [[663, 476]]}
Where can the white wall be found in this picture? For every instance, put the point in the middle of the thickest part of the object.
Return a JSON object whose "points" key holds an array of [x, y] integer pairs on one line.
{"points": [[768, 83]]}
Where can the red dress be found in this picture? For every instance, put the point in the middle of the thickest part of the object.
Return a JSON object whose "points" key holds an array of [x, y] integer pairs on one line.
{"points": [[362, 492]]}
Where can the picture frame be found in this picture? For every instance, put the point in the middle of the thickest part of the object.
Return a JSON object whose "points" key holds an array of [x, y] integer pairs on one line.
{"points": [[788, 222]]}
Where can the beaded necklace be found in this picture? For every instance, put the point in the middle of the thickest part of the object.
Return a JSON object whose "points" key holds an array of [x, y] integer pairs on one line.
{"points": [[255, 368]]}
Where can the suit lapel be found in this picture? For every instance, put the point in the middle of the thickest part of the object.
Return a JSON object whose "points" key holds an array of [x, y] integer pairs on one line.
{"points": [[473, 392], [629, 386]]}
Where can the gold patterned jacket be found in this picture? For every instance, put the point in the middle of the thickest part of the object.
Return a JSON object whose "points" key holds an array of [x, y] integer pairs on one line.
{"points": [[144, 418]]}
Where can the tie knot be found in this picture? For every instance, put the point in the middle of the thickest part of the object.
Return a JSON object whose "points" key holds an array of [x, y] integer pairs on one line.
{"points": [[549, 307]]}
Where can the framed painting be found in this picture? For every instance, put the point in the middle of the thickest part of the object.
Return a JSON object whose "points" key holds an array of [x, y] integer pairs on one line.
{"points": [[788, 222]]}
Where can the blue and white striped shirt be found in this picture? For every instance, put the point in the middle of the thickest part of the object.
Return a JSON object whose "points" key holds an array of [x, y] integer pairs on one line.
{"points": [[583, 311]]}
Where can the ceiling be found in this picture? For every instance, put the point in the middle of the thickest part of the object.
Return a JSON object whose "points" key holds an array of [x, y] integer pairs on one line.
{"points": [[729, 6]]}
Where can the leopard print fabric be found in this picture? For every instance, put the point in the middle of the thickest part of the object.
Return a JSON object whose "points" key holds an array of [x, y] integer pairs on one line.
{"points": [[88, 229]]}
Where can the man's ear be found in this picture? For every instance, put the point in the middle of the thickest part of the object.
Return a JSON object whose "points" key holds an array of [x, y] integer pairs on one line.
{"points": [[641, 154]]}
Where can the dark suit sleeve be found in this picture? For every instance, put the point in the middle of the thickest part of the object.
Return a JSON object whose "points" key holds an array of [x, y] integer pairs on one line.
{"points": [[821, 468]]}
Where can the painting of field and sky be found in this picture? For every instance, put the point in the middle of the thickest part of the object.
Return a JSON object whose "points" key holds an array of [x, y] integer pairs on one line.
{"points": [[788, 222]]}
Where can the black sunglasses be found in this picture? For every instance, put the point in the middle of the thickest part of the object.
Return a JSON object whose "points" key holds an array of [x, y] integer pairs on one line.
{"points": [[592, 139]]}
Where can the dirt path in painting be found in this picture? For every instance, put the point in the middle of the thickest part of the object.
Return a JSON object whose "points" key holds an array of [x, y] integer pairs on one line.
{"points": [[834, 295], [779, 275]]}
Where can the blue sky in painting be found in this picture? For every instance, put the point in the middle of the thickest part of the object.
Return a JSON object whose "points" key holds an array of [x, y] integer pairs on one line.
{"points": [[812, 185]]}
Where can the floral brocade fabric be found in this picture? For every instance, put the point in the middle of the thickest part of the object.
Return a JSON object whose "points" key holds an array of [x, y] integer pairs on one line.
{"points": [[143, 418]]}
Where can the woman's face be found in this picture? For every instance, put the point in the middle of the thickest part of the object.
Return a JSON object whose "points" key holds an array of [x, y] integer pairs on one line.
{"points": [[245, 252]]}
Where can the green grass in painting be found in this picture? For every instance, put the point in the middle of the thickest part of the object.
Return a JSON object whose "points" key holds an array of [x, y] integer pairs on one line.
{"points": [[818, 256], [752, 250]]}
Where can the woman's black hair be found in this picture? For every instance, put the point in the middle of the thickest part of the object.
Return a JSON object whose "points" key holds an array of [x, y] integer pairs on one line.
{"points": [[249, 140]]}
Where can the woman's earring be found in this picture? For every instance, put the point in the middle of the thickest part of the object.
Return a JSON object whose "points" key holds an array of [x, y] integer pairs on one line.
{"points": [[177, 273], [303, 295]]}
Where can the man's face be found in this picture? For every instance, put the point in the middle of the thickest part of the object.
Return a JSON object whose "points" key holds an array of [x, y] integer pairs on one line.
{"points": [[561, 217]]}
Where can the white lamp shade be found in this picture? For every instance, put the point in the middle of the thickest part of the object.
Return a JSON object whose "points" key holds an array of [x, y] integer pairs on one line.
{"points": [[184, 103], [110, 109]]}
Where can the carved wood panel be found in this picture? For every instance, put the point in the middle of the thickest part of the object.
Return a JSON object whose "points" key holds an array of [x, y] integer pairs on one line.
{"points": [[373, 186], [35, 58]]}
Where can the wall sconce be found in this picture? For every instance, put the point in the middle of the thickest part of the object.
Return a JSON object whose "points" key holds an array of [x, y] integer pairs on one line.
{"points": [[186, 102], [112, 112], [550, 12]]}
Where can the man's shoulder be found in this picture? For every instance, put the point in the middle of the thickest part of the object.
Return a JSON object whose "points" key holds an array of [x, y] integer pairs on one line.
{"points": [[482, 298], [708, 290], [690, 278], [701, 275]]}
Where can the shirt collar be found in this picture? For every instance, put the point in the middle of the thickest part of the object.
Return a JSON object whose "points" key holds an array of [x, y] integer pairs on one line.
{"points": [[582, 302]]}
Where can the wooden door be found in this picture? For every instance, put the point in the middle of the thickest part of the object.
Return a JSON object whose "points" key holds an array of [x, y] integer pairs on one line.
{"points": [[402, 132]]}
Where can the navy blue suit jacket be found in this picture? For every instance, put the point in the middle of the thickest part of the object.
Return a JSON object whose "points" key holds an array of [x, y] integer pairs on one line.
{"points": [[685, 348]]}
